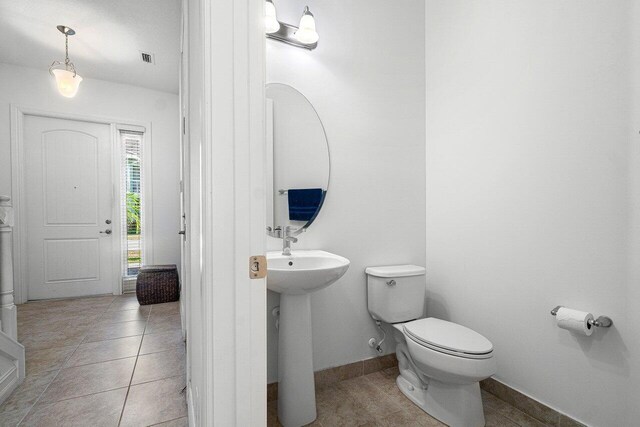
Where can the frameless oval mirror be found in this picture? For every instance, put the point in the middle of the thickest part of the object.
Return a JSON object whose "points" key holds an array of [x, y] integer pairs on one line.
{"points": [[298, 163]]}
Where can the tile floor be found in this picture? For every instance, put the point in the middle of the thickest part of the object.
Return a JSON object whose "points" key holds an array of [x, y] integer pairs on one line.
{"points": [[100, 361], [375, 400]]}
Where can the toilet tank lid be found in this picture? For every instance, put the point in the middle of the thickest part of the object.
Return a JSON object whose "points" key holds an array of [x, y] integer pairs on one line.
{"points": [[396, 271]]}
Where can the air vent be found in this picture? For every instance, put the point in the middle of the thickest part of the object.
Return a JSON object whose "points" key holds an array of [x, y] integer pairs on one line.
{"points": [[147, 57]]}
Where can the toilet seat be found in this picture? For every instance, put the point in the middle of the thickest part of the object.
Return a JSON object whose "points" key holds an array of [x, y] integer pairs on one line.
{"points": [[448, 338]]}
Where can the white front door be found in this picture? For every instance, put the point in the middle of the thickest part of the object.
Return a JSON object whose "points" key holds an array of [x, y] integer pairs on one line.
{"points": [[68, 194]]}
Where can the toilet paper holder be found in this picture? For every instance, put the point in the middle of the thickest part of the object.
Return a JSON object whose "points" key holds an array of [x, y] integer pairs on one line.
{"points": [[600, 322]]}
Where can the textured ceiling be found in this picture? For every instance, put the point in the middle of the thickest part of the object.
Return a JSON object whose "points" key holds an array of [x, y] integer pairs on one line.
{"points": [[110, 36]]}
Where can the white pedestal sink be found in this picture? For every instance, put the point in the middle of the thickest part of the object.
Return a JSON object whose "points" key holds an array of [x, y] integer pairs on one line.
{"points": [[295, 276]]}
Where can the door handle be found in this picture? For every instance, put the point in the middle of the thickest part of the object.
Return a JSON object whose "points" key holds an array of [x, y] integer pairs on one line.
{"points": [[182, 232], [107, 231]]}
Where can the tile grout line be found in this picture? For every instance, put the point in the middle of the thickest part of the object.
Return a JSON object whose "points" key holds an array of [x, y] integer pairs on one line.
{"points": [[98, 321], [156, 380], [126, 397], [168, 421], [53, 379]]}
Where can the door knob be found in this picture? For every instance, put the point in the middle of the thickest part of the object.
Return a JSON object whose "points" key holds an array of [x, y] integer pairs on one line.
{"points": [[107, 231]]}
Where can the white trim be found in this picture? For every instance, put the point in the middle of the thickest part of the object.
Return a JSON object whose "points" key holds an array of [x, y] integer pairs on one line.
{"points": [[227, 88], [17, 187], [185, 252], [147, 190], [131, 128], [9, 381]]}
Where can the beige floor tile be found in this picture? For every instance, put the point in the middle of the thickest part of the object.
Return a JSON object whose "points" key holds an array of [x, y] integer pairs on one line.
{"points": [[156, 366], [141, 313], [382, 381], [88, 379], [91, 344], [162, 324], [493, 419], [96, 410], [43, 341], [373, 399], [12, 418], [129, 302], [102, 351], [167, 308], [155, 402], [337, 408], [398, 419], [28, 392], [272, 414], [124, 304], [180, 422], [109, 331], [48, 359], [503, 408], [153, 343]]}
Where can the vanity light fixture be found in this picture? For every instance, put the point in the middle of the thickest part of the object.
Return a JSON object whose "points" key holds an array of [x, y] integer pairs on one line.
{"points": [[304, 36], [307, 30], [271, 23], [67, 79]]}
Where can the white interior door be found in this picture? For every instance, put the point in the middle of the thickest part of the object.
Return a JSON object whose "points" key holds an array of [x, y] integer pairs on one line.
{"points": [[68, 194]]}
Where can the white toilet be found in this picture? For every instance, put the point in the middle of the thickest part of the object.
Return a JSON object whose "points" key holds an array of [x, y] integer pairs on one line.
{"points": [[441, 363]]}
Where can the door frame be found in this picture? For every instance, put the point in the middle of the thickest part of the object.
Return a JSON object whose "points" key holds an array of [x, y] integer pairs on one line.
{"points": [[18, 112], [230, 206]]}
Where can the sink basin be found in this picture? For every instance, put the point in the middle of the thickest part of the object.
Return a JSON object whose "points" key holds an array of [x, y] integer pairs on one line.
{"points": [[303, 272], [295, 276]]}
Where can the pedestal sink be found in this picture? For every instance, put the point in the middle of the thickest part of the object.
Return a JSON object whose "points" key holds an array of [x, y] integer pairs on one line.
{"points": [[295, 276]]}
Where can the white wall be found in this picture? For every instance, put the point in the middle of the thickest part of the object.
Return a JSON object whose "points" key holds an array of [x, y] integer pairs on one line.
{"points": [[34, 88], [633, 290], [367, 86], [528, 143]]}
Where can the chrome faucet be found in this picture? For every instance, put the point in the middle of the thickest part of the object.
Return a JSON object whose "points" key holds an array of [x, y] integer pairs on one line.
{"points": [[287, 239]]}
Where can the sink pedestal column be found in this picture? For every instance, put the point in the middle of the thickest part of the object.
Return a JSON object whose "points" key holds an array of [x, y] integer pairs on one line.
{"points": [[296, 386]]}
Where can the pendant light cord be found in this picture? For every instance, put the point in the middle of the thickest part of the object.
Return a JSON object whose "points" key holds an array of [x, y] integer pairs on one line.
{"points": [[66, 50]]}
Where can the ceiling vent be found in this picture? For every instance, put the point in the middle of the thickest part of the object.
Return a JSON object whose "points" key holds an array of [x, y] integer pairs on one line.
{"points": [[149, 58]]}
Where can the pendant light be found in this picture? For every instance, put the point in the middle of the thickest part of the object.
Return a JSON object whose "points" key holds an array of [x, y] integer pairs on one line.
{"points": [[270, 19], [306, 33], [67, 80]]}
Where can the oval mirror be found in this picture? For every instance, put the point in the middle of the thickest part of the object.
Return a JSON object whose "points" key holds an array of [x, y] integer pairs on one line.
{"points": [[298, 163]]}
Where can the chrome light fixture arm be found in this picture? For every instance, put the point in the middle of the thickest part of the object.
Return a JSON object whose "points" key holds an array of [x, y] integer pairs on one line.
{"points": [[290, 34], [68, 65]]}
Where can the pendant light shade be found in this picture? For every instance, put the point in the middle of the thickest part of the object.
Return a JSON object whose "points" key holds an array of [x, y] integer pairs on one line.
{"points": [[270, 18], [68, 82], [307, 30]]}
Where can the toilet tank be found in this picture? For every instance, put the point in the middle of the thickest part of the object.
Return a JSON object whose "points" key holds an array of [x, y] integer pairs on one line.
{"points": [[396, 293]]}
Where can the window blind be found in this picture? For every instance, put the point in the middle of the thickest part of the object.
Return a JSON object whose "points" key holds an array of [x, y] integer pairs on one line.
{"points": [[132, 193]]}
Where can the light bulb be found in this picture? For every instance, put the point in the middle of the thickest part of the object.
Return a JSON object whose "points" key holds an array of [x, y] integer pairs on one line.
{"points": [[306, 32], [270, 19], [68, 82]]}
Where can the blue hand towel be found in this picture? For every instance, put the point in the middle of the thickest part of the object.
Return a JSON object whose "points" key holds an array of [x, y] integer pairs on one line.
{"points": [[304, 203]]}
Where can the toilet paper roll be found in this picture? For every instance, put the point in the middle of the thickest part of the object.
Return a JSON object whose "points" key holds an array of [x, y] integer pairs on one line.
{"points": [[575, 321]]}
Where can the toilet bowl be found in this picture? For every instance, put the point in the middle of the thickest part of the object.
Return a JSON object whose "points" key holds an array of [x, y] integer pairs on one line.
{"points": [[444, 380], [441, 363]]}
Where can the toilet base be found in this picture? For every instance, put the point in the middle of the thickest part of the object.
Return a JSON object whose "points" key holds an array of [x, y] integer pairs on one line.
{"points": [[453, 404]]}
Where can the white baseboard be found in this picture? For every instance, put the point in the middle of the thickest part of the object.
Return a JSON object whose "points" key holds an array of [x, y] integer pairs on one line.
{"points": [[8, 382], [191, 406]]}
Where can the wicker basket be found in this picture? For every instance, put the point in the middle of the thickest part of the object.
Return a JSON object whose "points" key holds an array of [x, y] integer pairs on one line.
{"points": [[156, 284]]}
